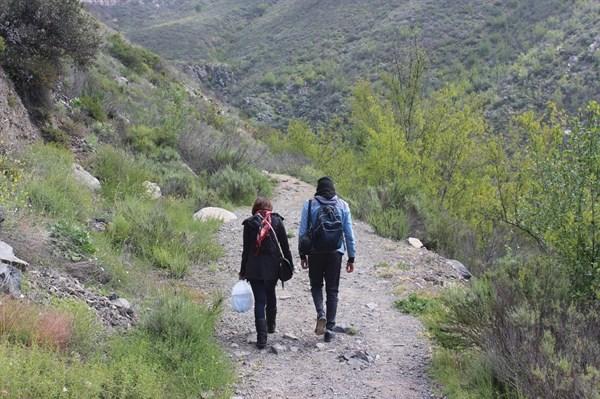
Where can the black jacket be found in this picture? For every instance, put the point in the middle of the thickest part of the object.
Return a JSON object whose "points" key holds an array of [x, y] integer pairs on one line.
{"points": [[265, 264]]}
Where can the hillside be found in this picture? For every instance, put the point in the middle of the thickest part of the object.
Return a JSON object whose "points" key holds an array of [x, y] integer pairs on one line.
{"points": [[287, 58]]}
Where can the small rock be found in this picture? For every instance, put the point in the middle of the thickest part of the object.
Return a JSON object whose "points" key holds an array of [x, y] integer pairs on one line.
{"points": [[415, 242], [85, 178], [278, 348], [371, 305], [251, 339], [152, 190], [290, 336], [121, 303], [212, 213], [207, 395], [234, 345], [294, 349], [320, 346]]}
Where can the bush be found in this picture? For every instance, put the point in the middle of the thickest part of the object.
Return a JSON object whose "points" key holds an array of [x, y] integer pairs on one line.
{"points": [[163, 233], [240, 186], [121, 174], [136, 58], [54, 30], [390, 223], [12, 175], [152, 141], [52, 189], [56, 136], [71, 240], [526, 304], [93, 107]]}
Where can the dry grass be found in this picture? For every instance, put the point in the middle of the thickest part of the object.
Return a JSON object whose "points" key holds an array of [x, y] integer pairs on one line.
{"points": [[30, 324]]}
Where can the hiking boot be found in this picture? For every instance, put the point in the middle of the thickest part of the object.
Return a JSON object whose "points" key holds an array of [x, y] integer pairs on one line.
{"points": [[261, 333], [329, 336], [271, 321], [320, 328]]}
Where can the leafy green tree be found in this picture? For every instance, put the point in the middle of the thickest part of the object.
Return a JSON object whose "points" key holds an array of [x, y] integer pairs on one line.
{"points": [[39, 36]]}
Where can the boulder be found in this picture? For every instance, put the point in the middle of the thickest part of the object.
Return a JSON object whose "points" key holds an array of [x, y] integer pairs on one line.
{"points": [[461, 269], [85, 178], [212, 213], [7, 256], [152, 189], [10, 280], [415, 242]]}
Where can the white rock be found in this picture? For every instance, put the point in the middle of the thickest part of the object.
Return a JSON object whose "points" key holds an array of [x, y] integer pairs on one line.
{"points": [[85, 178], [371, 305], [121, 303], [209, 213], [7, 255], [415, 242], [320, 346], [152, 189]]}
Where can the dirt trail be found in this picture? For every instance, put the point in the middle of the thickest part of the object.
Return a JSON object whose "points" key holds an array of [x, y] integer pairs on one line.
{"points": [[387, 358]]}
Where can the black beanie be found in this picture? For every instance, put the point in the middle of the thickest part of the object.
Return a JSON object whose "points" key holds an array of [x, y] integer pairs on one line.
{"points": [[325, 187]]}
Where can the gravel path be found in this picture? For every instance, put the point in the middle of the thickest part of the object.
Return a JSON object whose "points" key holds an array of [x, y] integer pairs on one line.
{"points": [[388, 356]]}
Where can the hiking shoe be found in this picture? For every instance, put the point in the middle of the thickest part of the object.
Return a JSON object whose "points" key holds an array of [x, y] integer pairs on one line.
{"points": [[329, 336], [320, 328]]}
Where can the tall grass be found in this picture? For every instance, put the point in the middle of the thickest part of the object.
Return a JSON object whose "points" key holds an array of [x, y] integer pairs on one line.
{"points": [[163, 233], [52, 188]]}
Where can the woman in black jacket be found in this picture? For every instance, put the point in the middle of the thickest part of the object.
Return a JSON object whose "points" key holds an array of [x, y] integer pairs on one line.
{"points": [[260, 263]]}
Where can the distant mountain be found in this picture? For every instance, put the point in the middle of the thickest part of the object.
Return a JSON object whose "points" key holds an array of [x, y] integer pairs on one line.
{"points": [[278, 59]]}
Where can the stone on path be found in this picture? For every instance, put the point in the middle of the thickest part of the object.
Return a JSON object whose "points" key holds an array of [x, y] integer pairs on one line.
{"points": [[320, 346], [152, 190], [212, 213], [278, 348], [415, 242], [290, 336], [460, 268], [85, 178], [7, 255]]}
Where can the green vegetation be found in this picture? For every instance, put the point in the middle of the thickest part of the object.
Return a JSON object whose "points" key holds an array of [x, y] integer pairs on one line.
{"points": [[55, 30], [520, 54]]}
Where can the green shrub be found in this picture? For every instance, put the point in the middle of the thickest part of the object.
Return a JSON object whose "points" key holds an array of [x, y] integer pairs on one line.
{"points": [[391, 223], [136, 58], [55, 30], [152, 141], [121, 175], [71, 241], [87, 330], [181, 340], [163, 233], [12, 175], [240, 186], [51, 187], [93, 107], [56, 136], [414, 304]]}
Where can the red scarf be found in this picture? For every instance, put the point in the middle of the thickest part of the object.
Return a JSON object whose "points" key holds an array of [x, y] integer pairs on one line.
{"points": [[265, 228]]}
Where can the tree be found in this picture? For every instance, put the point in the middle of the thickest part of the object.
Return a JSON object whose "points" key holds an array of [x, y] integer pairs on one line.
{"points": [[39, 36]]}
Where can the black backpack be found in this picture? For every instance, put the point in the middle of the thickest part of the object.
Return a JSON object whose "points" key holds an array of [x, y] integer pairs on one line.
{"points": [[328, 232]]}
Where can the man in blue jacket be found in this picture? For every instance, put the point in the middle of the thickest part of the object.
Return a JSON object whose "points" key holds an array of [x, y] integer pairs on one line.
{"points": [[326, 265]]}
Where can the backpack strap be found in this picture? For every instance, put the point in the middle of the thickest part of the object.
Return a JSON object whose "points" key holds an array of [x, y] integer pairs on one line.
{"points": [[309, 216]]}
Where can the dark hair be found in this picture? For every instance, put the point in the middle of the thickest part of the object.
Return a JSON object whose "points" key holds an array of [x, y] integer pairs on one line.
{"points": [[260, 204]]}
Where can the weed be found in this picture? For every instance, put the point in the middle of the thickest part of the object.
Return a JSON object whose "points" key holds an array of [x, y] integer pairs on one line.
{"points": [[71, 241], [414, 304]]}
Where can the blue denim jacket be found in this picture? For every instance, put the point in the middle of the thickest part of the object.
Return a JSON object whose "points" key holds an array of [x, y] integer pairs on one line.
{"points": [[349, 242]]}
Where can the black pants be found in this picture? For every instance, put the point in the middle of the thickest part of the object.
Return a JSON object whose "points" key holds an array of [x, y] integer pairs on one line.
{"points": [[326, 267], [264, 297]]}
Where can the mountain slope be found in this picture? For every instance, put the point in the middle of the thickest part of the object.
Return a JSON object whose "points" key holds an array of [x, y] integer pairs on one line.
{"points": [[288, 58]]}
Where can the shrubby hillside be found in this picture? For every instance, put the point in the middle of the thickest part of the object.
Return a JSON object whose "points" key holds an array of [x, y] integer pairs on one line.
{"points": [[106, 153], [285, 59]]}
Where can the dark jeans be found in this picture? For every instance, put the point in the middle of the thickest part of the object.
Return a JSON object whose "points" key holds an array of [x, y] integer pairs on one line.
{"points": [[326, 267], [264, 296]]}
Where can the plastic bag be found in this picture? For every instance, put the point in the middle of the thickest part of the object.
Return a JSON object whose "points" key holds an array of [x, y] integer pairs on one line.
{"points": [[242, 299]]}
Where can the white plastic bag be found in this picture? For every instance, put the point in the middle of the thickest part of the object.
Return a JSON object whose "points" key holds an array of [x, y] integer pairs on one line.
{"points": [[242, 299]]}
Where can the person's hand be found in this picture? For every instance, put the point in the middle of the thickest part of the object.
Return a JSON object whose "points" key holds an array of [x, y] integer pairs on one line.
{"points": [[349, 267], [304, 263]]}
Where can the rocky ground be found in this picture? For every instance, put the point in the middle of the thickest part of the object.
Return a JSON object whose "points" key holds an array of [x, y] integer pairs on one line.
{"points": [[387, 357]]}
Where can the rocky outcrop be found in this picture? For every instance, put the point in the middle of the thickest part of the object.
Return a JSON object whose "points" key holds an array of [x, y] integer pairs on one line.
{"points": [[212, 213], [218, 75], [16, 129], [10, 280], [7, 256]]}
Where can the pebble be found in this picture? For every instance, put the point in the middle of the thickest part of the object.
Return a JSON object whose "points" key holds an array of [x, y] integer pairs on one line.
{"points": [[278, 348], [290, 336], [320, 346]]}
